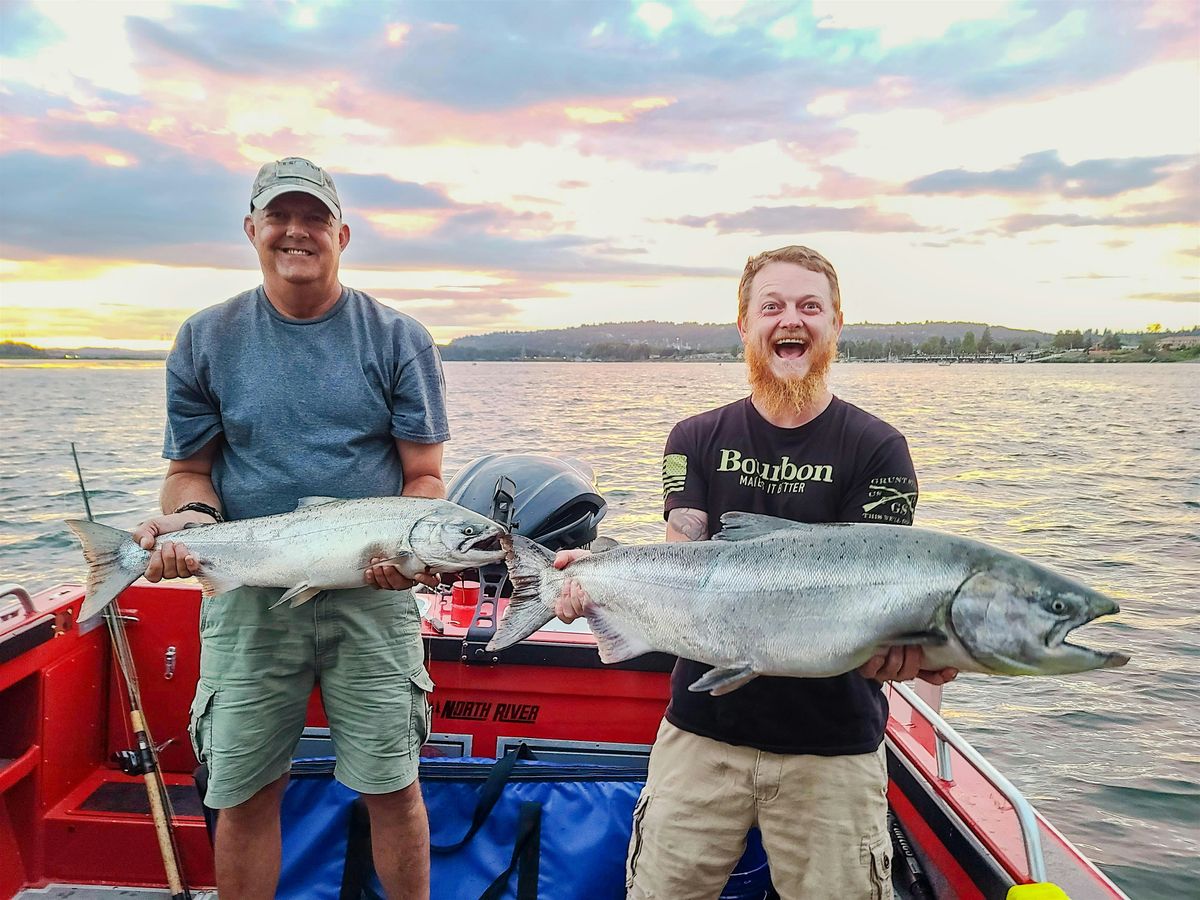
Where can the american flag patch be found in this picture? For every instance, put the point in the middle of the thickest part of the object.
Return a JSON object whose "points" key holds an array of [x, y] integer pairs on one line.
{"points": [[674, 473]]}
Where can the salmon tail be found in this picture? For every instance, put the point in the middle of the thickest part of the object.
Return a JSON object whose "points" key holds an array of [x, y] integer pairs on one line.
{"points": [[114, 563], [527, 612]]}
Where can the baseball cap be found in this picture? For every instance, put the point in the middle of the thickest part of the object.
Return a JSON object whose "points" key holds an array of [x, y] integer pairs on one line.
{"points": [[294, 174]]}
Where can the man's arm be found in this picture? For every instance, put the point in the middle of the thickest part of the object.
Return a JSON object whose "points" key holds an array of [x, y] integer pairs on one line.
{"points": [[684, 524], [422, 467], [187, 481]]}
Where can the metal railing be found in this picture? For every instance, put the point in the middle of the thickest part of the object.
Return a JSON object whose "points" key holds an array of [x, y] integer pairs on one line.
{"points": [[12, 589], [945, 738]]}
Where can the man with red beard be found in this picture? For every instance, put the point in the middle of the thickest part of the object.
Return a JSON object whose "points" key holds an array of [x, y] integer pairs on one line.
{"points": [[800, 758]]}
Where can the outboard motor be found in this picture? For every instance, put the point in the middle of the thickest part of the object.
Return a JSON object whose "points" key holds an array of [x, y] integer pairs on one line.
{"points": [[555, 501], [549, 499]]}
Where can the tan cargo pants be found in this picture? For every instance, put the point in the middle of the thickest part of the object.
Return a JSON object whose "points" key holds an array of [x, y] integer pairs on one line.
{"points": [[823, 821]]}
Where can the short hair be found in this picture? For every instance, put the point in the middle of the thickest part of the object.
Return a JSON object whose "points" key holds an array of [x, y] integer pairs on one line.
{"points": [[801, 256]]}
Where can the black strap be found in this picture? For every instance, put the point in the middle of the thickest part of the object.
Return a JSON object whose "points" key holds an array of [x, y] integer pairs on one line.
{"points": [[200, 777], [526, 852], [359, 866], [489, 794]]}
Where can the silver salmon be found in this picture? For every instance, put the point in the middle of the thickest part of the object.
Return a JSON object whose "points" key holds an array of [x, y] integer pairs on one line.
{"points": [[770, 596], [324, 544]]}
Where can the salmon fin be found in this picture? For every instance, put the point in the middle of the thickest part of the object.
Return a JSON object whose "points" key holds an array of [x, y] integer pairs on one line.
{"points": [[114, 563], [215, 584], [313, 501], [301, 593], [740, 526], [527, 561], [917, 638], [614, 643], [722, 681], [304, 596]]}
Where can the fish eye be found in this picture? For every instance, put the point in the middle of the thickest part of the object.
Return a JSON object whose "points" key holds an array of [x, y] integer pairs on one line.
{"points": [[468, 530], [1058, 606]]}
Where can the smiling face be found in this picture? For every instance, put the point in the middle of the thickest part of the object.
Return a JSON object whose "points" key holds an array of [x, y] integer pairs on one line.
{"points": [[299, 244], [790, 329]]}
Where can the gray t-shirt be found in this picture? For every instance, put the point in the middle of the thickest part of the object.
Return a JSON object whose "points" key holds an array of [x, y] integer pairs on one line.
{"points": [[307, 408]]}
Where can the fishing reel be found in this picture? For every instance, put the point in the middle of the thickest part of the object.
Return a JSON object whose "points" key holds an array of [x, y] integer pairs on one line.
{"points": [[136, 761]]}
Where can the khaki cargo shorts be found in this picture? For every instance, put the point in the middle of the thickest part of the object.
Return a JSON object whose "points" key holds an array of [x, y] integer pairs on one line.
{"points": [[257, 669], [823, 821]]}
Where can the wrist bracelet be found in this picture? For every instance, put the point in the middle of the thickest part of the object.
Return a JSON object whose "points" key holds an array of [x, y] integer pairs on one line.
{"points": [[202, 508]]}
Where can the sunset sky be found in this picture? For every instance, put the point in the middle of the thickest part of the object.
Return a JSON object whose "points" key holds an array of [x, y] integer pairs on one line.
{"points": [[517, 165]]}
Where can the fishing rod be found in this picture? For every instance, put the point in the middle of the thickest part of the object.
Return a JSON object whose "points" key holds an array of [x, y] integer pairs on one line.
{"points": [[143, 758]]}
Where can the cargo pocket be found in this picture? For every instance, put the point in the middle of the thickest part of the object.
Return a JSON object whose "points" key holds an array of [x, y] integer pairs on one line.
{"points": [[420, 719], [881, 868], [635, 839], [200, 723]]}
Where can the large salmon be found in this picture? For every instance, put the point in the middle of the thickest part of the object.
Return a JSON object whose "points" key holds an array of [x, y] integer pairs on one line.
{"points": [[770, 596], [323, 545]]}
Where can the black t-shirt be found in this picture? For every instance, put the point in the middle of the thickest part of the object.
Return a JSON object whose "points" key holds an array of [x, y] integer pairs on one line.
{"points": [[844, 466]]}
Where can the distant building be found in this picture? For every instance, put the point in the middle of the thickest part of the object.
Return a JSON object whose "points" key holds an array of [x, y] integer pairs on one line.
{"points": [[1180, 342]]}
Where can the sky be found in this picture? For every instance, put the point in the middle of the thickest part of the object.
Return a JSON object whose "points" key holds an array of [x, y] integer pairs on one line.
{"points": [[523, 165]]}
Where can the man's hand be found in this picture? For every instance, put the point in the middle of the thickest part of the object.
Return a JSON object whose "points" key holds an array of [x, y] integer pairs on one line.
{"points": [[572, 602], [169, 559], [904, 664], [387, 577]]}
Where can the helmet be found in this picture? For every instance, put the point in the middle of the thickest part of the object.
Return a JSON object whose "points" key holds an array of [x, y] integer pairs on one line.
{"points": [[555, 501]]}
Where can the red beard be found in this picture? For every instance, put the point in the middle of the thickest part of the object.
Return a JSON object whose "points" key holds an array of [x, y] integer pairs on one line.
{"points": [[788, 394]]}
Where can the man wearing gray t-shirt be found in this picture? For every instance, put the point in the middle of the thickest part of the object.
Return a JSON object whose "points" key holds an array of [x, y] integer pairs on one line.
{"points": [[303, 387]]}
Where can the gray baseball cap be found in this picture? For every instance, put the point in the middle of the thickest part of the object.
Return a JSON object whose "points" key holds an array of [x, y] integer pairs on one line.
{"points": [[294, 174]]}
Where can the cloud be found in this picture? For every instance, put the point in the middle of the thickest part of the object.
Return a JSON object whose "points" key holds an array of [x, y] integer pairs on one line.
{"points": [[69, 205], [1178, 211], [1167, 297], [1046, 173], [370, 192], [797, 219], [479, 56], [187, 211]]}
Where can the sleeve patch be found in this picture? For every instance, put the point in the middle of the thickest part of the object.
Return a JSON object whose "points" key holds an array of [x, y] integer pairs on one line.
{"points": [[891, 499], [674, 473]]}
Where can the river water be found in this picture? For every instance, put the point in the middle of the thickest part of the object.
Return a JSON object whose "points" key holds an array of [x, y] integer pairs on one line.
{"points": [[1092, 469]]}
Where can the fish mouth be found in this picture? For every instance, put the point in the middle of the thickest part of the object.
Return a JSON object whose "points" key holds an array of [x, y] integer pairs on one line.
{"points": [[488, 544], [1057, 643]]}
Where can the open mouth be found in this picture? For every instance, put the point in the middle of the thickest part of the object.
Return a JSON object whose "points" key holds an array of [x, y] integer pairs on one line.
{"points": [[1057, 639], [295, 251], [790, 348], [488, 543]]}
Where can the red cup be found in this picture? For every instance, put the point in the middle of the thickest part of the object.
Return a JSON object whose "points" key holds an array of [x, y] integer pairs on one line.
{"points": [[464, 597]]}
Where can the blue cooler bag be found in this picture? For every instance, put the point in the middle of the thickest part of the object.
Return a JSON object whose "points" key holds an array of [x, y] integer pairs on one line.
{"points": [[516, 827], [525, 828]]}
